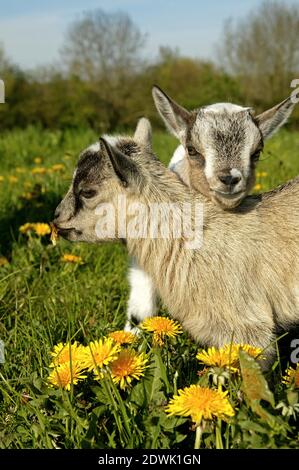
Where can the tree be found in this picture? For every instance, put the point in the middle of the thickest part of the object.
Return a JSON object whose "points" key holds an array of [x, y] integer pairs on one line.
{"points": [[4, 62], [103, 46], [263, 51], [103, 51]]}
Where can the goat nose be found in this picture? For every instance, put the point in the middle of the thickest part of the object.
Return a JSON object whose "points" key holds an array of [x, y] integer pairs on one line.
{"points": [[229, 180]]}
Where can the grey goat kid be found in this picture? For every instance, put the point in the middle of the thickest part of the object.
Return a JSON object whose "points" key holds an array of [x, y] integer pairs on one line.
{"points": [[220, 147], [239, 285], [221, 143]]}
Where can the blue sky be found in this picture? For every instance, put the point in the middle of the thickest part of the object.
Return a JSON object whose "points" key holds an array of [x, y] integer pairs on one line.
{"points": [[33, 31]]}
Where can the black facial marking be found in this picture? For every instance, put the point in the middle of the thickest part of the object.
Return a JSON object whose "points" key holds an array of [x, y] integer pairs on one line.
{"points": [[193, 152], [127, 147], [78, 204], [88, 170]]}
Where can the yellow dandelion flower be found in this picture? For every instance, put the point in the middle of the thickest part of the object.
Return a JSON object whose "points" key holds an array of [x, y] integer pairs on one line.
{"points": [[58, 167], [20, 170], [39, 171], [222, 357], [228, 356], [3, 261], [64, 375], [161, 327], [13, 179], [251, 350], [263, 174], [122, 337], [38, 160], [66, 352], [128, 366], [257, 187], [69, 258], [41, 229], [1, 179], [292, 376], [200, 403], [26, 227], [99, 354]]}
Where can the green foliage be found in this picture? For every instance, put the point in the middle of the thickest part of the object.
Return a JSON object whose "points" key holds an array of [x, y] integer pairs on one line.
{"points": [[63, 102]]}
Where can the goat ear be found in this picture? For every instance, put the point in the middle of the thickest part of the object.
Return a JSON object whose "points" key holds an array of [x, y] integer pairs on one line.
{"points": [[124, 168], [271, 120], [175, 116], [143, 132]]}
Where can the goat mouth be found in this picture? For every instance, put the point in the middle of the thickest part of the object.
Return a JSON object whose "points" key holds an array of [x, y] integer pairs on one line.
{"points": [[226, 195], [65, 232]]}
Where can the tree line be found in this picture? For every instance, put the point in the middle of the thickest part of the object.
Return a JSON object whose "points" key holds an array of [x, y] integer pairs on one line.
{"points": [[103, 80]]}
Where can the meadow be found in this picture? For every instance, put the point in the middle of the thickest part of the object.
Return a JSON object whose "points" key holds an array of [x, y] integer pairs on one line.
{"points": [[48, 297]]}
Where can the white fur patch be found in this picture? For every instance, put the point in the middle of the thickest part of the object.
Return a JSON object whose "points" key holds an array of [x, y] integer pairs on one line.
{"points": [[177, 157], [94, 147], [224, 107], [142, 300], [74, 174], [112, 139], [235, 173], [209, 166]]}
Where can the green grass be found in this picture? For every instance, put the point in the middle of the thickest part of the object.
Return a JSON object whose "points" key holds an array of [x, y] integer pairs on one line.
{"points": [[44, 301]]}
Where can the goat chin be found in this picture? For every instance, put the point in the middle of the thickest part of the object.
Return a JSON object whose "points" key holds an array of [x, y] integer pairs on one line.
{"points": [[227, 202]]}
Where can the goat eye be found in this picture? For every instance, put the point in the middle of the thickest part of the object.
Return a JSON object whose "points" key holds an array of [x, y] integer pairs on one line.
{"points": [[88, 193], [192, 152], [255, 156], [195, 155]]}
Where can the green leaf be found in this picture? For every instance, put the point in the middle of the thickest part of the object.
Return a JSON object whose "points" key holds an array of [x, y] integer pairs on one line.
{"points": [[149, 390], [255, 385], [101, 394], [137, 395], [171, 422], [162, 371], [292, 397], [251, 426], [153, 383]]}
